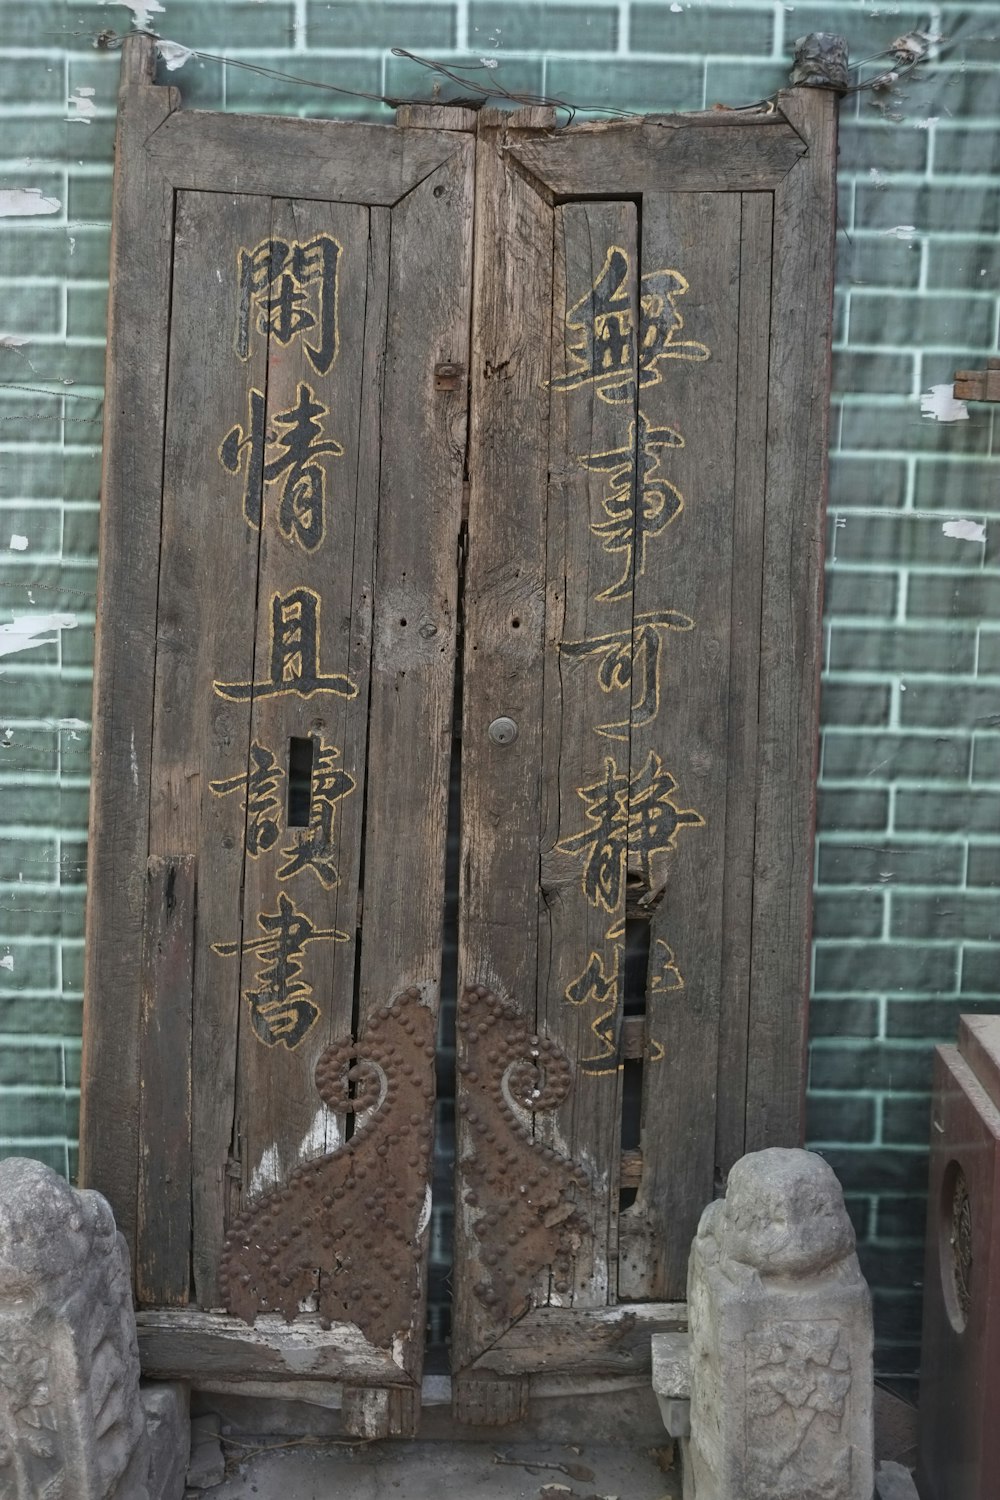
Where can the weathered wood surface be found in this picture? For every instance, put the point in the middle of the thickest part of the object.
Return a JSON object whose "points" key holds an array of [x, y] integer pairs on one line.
{"points": [[163, 1260], [595, 1341], [744, 674], [435, 117], [326, 550], [204, 629], [193, 1345], [376, 1413], [331, 161], [586, 710], [502, 663], [790, 625], [619, 160], [415, 624], [680, 723], [126, 641], [482, 1399]]}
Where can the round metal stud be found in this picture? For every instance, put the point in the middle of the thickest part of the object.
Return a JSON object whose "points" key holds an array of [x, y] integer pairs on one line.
{"points": [[503, 731]]}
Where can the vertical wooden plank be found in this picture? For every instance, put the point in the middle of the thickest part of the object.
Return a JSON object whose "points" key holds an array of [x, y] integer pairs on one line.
{"points": [[205, 625], [790, 624], [502, 662], [591, 564], [744, 673], [123, 671], [308, 687], [680, 713], [413, 658], [163, 1261]]}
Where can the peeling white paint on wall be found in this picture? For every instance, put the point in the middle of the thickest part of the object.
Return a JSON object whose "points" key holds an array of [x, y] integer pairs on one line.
{"points": [[173, 54], [7, 962], [965, 531], [81, 104], [939, 402], [31, 630], [901, 231], [141, 11], [12, 341], [22, 203], [18, 543]]}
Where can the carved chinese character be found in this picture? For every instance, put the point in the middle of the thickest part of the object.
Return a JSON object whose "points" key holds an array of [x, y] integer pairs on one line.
{"points": [[632, 818], [630, 661], [314, 849], [281, 1007], [301, 509], [603, 342], [293, 658], [640, 502], [262, 804], [288, 289]]}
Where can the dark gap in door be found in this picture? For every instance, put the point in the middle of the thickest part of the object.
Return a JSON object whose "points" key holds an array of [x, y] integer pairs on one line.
{"points": [[437, 1360]]}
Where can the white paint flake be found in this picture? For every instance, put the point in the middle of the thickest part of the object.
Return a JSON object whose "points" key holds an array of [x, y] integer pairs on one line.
{"points": [[677, 9], [133, 761], [12, 341], [7, 962], [82, 102], [23, 203], [901, 231], [878, 178], [174, 54], [965, 531], [266, 1174], [141, 11], [425, 1212], [940, 404], [31, 630], [18, 543], [926, 124]]}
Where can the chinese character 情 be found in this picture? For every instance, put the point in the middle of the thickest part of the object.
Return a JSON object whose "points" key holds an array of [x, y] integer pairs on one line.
{"points": [[301, 509]]}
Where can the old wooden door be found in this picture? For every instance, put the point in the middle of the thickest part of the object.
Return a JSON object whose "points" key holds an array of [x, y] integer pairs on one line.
{"points": [[268, 724], [649, 377], [284, 565]]}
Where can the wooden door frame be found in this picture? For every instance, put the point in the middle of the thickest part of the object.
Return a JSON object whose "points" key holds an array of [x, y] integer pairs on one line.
{"points": [[788, 151]]}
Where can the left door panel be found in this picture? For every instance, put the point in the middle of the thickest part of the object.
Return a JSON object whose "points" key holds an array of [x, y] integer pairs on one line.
{"points": [[281, 508]]}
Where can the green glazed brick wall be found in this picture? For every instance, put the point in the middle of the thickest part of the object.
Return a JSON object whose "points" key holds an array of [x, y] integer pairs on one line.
{"points": [[908, 856]]}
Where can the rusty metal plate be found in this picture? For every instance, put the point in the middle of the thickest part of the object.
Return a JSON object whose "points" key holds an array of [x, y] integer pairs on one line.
{"points": [[344, 1234], [520, 1195]]}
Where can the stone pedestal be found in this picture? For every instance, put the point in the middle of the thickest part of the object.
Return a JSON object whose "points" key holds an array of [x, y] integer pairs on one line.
{"points": [[71, 1423], [781, 1339], [960, 1355]]}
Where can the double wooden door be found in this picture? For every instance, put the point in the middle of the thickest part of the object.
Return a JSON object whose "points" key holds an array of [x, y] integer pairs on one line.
{"points": [[546, 408]]}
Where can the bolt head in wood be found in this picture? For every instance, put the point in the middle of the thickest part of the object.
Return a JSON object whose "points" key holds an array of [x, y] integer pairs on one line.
{"points": [[503, 731]]}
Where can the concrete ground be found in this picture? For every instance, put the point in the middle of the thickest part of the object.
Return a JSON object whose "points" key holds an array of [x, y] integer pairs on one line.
{"points": [[318, 1469]]}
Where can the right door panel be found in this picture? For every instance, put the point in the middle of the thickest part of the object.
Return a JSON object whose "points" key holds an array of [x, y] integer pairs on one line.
{"points": [[650, 354]]}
